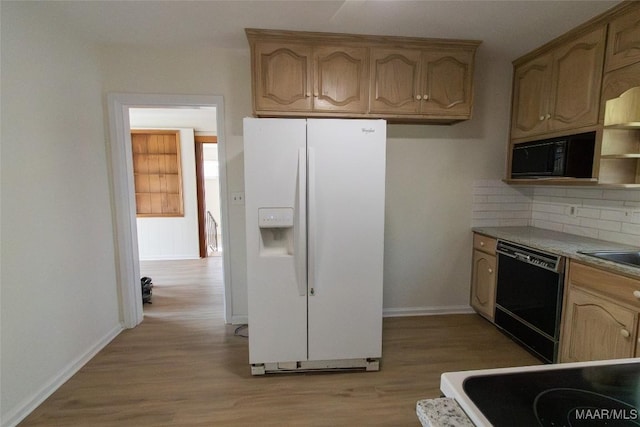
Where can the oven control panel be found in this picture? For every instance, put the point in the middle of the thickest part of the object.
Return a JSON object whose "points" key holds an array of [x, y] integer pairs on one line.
{"points": [[532, 256]]}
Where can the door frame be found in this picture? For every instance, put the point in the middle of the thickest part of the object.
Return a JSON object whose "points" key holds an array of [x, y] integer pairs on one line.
{"points": [[199, 141], [123, 196]]}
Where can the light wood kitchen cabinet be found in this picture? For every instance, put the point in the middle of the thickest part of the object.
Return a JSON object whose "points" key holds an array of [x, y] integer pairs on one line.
{"points": [[531, 84], [395, 81], [623, 41], [559, 89], [600, 316], [282, 79], [597, 328], [620, 148], [297, 78], [616, 82], [483, 276], [340, 77], [344, 75], [434, 82], [619, 160]]}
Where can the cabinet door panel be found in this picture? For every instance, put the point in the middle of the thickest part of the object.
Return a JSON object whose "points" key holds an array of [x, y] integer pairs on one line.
{"points": [[575, 85], [282, 78], [446, 82], [530, 97], [341, 82], [483, 284], [394, 81], [617, 82], [596, 328], [623, 45]]}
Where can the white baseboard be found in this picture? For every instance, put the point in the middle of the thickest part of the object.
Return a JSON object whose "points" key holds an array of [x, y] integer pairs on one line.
{"points": [[240, 320], [395, 312], [426, 311], [13, 417], [167, 257]]}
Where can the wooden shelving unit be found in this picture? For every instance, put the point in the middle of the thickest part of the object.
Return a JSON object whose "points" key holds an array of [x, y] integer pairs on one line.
{"points": [[620, 153]]}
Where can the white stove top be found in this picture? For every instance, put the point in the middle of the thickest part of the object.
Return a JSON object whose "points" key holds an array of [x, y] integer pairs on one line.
{"points": [[451, 383]]}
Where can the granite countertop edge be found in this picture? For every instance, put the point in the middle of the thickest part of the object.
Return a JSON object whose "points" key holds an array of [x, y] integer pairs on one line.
{"points": [[567, 245]]}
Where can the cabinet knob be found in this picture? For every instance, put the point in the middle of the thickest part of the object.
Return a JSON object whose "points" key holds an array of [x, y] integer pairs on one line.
{"points": [[636, 294], [315, 94], [541, 118], [625, 333], [548, 116], [308, 94], [481, 243], [418, 97], [425, 97], [491, 271]]}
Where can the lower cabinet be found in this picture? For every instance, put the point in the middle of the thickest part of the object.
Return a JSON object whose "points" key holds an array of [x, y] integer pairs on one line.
{"points": [[483, 276], [600, 317]]}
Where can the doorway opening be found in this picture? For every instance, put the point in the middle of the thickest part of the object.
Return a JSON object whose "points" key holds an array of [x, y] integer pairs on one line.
{"points": [[128, 257], [208, 188]]}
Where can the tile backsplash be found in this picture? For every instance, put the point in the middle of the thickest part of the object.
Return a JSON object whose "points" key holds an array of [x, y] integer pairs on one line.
{"points": [[606, 214]]}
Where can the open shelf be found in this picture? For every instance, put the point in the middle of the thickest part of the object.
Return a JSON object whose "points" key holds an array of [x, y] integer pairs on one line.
{"points": [[620, 153]]}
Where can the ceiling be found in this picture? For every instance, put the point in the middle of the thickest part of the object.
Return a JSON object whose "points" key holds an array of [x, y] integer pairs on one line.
{"points": [[508, 29]]}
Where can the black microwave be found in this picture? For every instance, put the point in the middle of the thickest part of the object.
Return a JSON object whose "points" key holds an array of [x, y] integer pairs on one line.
{"points": [[570, 156]]}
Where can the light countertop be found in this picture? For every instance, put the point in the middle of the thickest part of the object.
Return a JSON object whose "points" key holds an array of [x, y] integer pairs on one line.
{"points": [[563, 244]]}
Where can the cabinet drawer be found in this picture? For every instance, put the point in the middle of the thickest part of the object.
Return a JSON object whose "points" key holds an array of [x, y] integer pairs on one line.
{"points": [[621, 288], [484, 243]]}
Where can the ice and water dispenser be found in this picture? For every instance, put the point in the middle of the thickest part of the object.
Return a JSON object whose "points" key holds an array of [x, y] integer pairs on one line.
{"points": [[276, 231]]}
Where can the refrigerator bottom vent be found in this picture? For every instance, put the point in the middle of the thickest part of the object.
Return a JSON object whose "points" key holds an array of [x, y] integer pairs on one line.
{"points": [[315, 365]]}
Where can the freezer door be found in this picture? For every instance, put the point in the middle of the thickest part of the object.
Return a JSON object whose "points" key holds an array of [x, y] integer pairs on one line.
{"points": [[346, 195], [275, 196]]}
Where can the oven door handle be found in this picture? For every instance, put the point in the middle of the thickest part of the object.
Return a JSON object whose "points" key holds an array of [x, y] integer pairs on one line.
{"points": [[522, 257], [518, 256]]}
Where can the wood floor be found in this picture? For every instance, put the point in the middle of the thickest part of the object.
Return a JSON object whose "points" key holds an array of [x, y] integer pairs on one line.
{"points": [[184, 367]]}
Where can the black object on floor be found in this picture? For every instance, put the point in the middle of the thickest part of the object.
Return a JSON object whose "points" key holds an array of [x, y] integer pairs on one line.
{"points": [[146, 289]]}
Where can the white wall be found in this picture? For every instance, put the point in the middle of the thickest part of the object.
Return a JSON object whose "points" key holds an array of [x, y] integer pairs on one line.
{"points": [[212, 188], [174, 237], [199, 70], [59, 296], [430, 170]]}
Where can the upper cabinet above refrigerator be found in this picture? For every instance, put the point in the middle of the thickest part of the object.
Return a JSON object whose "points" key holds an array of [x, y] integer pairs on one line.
{"points": [[404, 79]]}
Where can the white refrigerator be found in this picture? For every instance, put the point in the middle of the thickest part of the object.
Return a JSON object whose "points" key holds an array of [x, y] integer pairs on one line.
{"points": [[314, 199]]}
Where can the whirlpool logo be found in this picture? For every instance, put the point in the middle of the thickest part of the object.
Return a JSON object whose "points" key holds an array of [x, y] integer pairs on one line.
{"points": [[368, 130]]}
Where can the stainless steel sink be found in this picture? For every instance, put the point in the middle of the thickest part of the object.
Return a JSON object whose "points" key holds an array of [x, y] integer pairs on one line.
{"points": [[622, 257]]}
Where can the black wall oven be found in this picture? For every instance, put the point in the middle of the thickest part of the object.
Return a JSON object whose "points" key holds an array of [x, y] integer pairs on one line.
{"points": [[529, 297]]}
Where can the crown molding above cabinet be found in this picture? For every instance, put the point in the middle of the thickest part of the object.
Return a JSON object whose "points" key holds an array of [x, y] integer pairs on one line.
{"points": [[401, 79]]}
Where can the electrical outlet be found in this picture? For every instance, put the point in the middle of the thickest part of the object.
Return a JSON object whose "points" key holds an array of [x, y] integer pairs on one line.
{"points": [[571, 210], [237, 198], [631, 215]]}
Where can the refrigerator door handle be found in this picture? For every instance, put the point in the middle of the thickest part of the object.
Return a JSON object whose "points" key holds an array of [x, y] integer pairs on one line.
{"points": [[311, 222], [300, 252]]}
